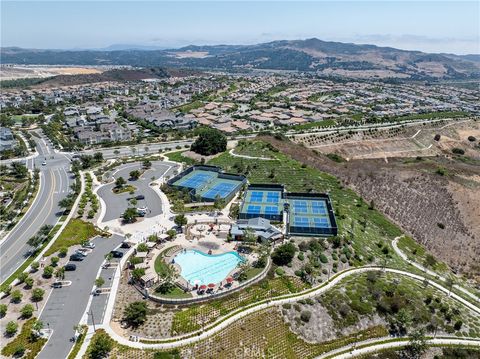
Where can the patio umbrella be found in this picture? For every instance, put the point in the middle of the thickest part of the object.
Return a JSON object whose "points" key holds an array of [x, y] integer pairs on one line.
{"points": [[229, 280], [211, 285], [203, 287]]}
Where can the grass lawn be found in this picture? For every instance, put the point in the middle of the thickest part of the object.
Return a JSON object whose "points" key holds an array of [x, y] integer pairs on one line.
{"points": [[177, 157], [74, 233], [160, 265], [175, 293]]}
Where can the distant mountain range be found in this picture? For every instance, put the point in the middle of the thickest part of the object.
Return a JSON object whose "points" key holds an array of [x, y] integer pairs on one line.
{"points": [[313, 55]]}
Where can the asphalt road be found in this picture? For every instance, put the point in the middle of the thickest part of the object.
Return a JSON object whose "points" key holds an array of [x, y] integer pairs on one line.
{"points": [[116, 204], [65, 306], [55, 181], [137, 150]]}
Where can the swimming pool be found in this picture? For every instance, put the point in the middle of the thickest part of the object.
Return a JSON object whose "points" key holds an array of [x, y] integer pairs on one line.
{"points": [[201, 268]]}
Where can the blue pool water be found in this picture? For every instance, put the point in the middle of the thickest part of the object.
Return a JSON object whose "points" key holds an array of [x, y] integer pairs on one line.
{"points": [[202, 268]]}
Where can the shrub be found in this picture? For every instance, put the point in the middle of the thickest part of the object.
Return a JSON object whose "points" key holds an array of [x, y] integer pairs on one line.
{"points": [[37, 294], [458, 325], [17, 296], [22, 276], [27, 311], [458, 151], [34, 266], [323, 258], [471, 138], [142, 247], [29, 282], [63, 252], [11, 328], [54, 261], [19, 351], [48, 272], [3, 310], [279, 271], [305, 316]]}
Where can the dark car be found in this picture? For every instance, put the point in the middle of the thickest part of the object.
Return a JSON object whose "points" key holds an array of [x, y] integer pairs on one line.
{"points": [[139, 197], [125, 245], [77, 257], [117, 254], [70, 267]]}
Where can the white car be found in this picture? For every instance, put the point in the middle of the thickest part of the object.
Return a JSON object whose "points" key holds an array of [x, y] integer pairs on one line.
{"points": [[89, 245], [44, 163], [82, 251]]}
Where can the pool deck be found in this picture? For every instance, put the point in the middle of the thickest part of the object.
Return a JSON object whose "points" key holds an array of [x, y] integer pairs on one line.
{"points": [[196, 244]]}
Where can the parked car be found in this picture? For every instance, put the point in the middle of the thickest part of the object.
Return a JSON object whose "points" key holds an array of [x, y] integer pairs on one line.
{"points": [[125, 245], [57, 285], [89, 245], [44, 163], [82, 251], [139, 197], [117, 254], [70, 267], [76, 257]]}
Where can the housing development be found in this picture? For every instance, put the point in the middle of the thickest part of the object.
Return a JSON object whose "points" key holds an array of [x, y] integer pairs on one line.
{"points": [[288, 199]]}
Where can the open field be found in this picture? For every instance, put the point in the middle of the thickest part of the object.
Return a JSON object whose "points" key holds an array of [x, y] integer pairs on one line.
{"points": [[24, 72], [394, 142]]}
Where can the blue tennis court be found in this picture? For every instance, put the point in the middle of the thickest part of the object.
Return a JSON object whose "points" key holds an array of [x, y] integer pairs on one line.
{"points": [[273, 197], [253, 209], [272, 210], [300, 221], [196, 179], [221, 189], [320, 222]]}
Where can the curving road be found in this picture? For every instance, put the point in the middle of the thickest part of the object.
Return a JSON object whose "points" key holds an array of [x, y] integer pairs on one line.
{"points": [[55, 181]]}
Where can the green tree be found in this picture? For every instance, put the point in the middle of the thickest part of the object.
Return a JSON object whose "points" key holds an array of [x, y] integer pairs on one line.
{"points": [[172, 233], [147, 164], [135, 313], [35, 241], [130, 215], [120, 182], [135, 174], [100, 346], [209, 142], [284, 254], [417, 344], [180, 220]]}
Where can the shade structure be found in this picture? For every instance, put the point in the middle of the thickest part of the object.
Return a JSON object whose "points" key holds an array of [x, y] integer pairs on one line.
{"points": [[203, 286], [229, 280], [211, 285]]}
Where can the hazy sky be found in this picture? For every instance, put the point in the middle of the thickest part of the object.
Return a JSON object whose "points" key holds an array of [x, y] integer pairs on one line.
{"points": [[432, 26]]}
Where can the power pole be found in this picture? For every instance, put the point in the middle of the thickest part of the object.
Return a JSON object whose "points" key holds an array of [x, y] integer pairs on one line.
{"points": [[93, 319]]}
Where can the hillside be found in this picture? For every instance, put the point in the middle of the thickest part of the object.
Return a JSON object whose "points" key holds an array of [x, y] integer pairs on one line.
{"points": [[324, 57]]}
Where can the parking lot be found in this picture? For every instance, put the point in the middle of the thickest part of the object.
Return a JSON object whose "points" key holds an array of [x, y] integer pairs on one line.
{"points": [[116, 204], [66, 305]]}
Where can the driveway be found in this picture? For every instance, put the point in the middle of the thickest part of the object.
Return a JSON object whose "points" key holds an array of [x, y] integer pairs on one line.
{"points": [[66, 306], [116, 204]]}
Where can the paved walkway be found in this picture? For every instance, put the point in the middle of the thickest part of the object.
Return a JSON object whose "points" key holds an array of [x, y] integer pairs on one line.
{"points": [[222, 323], [428, 271], [375, 345]]}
